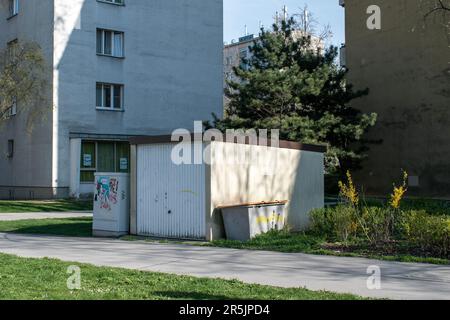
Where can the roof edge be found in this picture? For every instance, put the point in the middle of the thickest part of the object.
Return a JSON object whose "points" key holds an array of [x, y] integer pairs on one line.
{"points": [[283, 144]]}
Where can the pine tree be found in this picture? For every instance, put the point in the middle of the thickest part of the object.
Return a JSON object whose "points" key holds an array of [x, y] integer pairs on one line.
{"points": [[291, 85]]}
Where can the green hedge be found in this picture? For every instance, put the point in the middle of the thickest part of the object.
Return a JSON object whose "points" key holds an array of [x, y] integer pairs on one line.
{"points": [[430, 234]]}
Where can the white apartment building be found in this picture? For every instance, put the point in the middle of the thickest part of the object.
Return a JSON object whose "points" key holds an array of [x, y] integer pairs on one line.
{"points": [[116, 69]]}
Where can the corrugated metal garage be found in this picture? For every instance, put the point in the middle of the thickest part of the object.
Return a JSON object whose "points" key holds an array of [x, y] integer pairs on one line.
{"points": [[180, 201], [170, 198]]}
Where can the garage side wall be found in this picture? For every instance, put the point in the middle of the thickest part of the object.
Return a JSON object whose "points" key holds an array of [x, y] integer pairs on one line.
{"points": [[249, 173]]}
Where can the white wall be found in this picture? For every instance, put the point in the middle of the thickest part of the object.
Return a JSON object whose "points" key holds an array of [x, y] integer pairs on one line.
{"points": [[31, 165], [158, 185], [172, 69], [280, 174], [172, 74]]}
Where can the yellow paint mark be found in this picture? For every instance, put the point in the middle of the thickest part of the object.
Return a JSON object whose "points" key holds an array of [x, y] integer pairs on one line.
{"points": [[189, 191], [273, 218]]}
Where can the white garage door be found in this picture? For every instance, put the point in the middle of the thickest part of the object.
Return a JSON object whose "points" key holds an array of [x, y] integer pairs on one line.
{"points": [[170, 198]]}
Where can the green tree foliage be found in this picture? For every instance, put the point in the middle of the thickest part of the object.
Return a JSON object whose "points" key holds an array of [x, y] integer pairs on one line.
{"points": [[292, 85], [22, 82]]}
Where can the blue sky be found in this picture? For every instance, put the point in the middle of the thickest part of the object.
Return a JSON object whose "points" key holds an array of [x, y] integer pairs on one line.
{"points": [[238, 13]]}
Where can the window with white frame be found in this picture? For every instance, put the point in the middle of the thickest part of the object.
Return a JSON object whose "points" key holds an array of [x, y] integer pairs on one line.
{"points": [[13, 7], [110, 43], [12, 111], [109, 96]]}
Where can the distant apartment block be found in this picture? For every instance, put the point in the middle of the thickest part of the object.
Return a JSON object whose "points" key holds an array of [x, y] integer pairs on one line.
{"points": [[116, 69], [232, 57]]}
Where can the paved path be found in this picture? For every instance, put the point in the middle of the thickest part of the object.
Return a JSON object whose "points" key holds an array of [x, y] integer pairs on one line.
{"points": [[339, 274], [42, 215]]}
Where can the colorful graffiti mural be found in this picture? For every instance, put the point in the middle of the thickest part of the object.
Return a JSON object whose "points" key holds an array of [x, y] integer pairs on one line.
{"points": [[106, 192]]}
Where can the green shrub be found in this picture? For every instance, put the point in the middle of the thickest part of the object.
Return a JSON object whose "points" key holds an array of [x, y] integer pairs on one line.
{"points": [[429, 233], [339, 223], [376, 224], [431, 206], [418, 230], [321, 223]]}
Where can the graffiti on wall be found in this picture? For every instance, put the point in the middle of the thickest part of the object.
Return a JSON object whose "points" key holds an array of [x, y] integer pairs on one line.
{"points": [[106, 192], [273, 221]]}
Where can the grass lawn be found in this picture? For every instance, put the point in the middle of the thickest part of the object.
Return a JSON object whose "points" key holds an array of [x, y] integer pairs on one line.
{"points": [[44, 206], [22, 278], [75, 227], [310, 244]]}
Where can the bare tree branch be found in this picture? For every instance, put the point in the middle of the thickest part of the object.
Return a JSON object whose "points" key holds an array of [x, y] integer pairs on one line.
{"points": [[440, 6]]}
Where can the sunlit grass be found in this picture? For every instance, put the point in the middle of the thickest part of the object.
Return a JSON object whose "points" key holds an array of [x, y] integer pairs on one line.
{"points": [[22, 278]]}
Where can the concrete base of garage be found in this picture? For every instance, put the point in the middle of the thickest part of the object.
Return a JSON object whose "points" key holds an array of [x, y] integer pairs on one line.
{"points": [[108, 234]]}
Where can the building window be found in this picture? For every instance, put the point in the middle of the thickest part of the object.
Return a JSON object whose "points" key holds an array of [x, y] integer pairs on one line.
{"points": [[12, 111], [243, 55], [109, 96], [13, 7], [10, 153], [103, 156], [110, 43], [118, 2]]}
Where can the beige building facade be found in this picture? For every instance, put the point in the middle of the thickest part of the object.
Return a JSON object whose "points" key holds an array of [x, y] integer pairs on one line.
{"points": [[233, 54], [406, 66]]}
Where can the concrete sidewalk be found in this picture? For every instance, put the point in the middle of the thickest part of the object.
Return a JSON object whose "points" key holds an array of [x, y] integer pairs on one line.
{"points": [[42, 215], [338, 274]]}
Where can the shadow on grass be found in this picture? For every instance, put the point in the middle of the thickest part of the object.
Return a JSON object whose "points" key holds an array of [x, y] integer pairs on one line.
{"points": [[73, 227], [186, 295]]}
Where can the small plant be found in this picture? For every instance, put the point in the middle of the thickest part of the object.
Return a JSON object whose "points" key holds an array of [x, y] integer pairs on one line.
{"points": [[376, 225], [399, 192], [338, 223], [348, 190]]}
